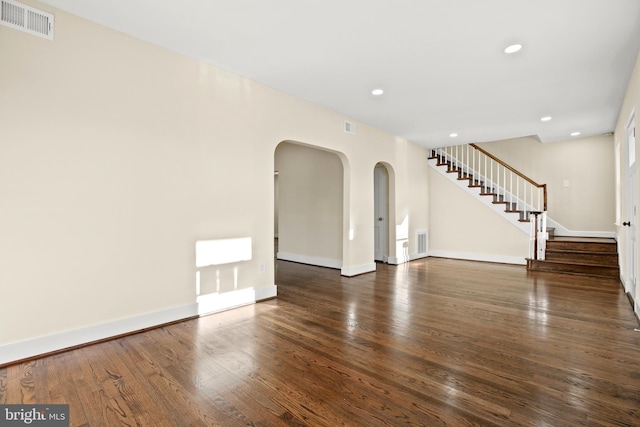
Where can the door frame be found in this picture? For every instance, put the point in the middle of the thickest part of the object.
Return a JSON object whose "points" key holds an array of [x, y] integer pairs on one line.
{"points": [[630, 281], [381, 212]]}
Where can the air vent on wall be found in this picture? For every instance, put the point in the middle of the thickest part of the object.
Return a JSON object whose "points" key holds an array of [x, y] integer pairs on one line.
{"points": [[422, 243], [349, 127], [27, 19]]}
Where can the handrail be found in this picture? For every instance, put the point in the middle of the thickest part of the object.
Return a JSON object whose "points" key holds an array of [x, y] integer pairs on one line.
{"points": [[517, 172]]}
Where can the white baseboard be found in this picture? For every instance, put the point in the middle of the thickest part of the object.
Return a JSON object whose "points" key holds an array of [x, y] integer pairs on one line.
{"points": [[404, 259], [56, 342], [330, 263], [303, 259], [479, 257], [210, 303], [215, 302], [360, 269], [418, 256], [266, 292]]}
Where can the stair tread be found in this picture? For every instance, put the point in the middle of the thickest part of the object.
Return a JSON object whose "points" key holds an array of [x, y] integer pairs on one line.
{"points": [[585, 239], [605, 261], [567, 262], [580, 252], [595, 245], [590, 274]]}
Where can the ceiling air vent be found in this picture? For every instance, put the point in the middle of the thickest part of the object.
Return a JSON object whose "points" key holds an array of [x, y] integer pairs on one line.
{"points": [[349, 127], [27, 19]]}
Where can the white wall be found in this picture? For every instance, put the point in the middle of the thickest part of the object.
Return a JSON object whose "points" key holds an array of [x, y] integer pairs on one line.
{"points": [[116, 156], [587, 204]]}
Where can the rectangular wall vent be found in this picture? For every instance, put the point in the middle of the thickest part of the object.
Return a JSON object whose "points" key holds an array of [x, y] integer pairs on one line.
{"points": [[421, 240], [349, 127], [27, 19]]}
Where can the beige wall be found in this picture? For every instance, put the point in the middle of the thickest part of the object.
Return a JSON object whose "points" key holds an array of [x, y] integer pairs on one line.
{"points": [[629, 107], [586, 164], [116, 156]]}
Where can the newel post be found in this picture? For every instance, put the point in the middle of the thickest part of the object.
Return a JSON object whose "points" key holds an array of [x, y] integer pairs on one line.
{"points": [[538, 235]]}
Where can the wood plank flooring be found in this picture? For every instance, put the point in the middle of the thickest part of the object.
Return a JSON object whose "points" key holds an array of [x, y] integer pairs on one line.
{"points": [[436, 342]]}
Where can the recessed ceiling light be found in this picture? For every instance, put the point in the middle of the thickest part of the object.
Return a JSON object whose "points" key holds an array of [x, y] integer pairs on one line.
{"points": [[545, 119], [453, 135], [575, 133], [377, 92], [513, 48]]}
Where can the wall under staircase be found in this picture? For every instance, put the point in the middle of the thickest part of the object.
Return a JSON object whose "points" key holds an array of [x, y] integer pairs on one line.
{"points": [[465, 225]]}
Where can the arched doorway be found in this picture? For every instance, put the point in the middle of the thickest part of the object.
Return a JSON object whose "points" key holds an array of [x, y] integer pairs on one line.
{"points": [[381, 213], [309, 204]]}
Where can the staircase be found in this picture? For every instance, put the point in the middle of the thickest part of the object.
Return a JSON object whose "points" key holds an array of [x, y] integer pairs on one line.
{"points": [[591, 256], [525, 198], [493, 178]]}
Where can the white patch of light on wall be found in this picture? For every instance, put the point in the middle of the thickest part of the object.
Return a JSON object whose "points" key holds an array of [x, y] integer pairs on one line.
{"points": [[222, 251]]}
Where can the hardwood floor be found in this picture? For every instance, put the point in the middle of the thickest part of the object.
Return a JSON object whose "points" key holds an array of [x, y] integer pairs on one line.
{"points": [[436, 342]]}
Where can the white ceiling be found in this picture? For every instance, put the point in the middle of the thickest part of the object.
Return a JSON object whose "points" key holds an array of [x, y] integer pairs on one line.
{"points": [[440, 62]]}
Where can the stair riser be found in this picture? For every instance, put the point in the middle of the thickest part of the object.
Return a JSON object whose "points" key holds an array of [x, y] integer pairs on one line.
{"points": [[607, 260], [573, 268], [559, 245]]}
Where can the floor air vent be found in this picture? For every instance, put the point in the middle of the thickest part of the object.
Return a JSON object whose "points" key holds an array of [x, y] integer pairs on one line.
{"points": [[27, 19]]}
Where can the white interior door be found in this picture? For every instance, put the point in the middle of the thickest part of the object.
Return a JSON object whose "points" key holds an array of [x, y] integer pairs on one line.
{"points": [[632, 202], [381, 213]]}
